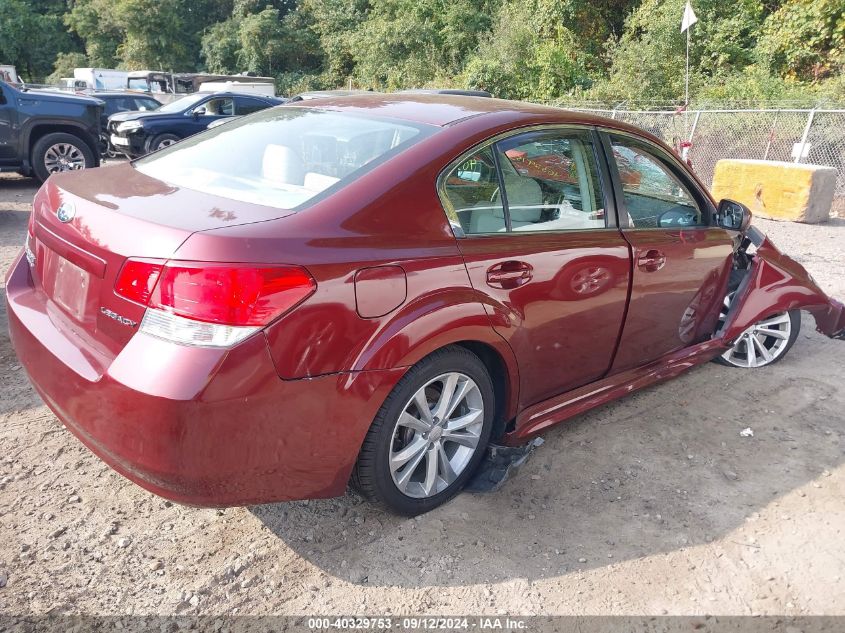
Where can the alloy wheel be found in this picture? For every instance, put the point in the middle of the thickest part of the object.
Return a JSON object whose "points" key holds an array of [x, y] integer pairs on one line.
{"points": [[167, 142], [762, 343], [63, 157], [436, 435]]}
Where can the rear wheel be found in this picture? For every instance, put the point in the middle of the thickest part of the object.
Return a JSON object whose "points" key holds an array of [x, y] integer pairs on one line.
{"points": [[765, 342], [429, 435], [58, 152]]}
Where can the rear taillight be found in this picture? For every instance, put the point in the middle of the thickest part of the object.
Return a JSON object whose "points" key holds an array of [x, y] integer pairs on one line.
{"points": [[137, 279], [200, 303]]}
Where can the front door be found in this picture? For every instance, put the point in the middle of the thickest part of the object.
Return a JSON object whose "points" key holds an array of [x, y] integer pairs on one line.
{"points": [[681, 259], [541, 246], [211, 110]]}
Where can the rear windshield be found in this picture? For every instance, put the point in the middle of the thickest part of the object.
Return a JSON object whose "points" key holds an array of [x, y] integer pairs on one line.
{"points": [[281, 157]]}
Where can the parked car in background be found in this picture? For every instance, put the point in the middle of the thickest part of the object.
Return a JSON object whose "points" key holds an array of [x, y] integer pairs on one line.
{"points": [[119, 102], [42, 133], [372, 288], [137, 133]]}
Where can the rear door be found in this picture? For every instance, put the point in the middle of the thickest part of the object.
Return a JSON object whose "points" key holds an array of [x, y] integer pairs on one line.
{"points": [[681, 260], [539, 238]]}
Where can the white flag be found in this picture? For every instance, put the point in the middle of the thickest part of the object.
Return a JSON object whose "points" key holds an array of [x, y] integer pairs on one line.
{"points": [[689, 17]]}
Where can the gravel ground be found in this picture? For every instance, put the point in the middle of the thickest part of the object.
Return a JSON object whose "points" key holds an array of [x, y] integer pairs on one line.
{"points": [[654, 504]]}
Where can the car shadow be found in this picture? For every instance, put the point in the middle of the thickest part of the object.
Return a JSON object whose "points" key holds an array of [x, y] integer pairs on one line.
{"points": [[660, 471]]}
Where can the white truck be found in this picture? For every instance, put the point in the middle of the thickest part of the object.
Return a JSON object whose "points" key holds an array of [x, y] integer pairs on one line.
{"points": [[102, 78]]}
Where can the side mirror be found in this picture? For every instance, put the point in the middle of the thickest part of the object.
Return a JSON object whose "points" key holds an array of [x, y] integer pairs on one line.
{"points": [[199, 112], [733, 215], [678, 217]]}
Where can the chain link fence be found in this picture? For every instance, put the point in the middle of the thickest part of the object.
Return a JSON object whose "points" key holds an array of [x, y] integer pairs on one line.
{"points": [[815, 137]]}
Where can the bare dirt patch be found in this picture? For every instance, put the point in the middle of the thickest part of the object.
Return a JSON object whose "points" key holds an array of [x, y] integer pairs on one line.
{"points": [[653, 504]]}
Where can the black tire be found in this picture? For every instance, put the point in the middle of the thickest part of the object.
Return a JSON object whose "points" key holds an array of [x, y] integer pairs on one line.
{"points": [[43, 144], [795, 329], [156, 142], [371, 476]]}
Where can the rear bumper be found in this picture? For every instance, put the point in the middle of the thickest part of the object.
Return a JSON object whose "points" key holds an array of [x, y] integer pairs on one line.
{"points": [[198, 426]]}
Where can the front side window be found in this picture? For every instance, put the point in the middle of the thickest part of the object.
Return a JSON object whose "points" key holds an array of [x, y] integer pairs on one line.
{"points": [[281, 157], [654, 197], [216, 107]]}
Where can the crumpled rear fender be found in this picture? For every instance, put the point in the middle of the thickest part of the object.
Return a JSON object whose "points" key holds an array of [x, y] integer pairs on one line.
{"points": [[777, 283]]}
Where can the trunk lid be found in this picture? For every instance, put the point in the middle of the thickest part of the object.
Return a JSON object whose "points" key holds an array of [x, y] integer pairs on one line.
{"points": [[87, 224]]}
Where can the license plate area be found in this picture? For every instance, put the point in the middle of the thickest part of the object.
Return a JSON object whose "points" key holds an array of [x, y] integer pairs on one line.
{"points": [[68, 285]]}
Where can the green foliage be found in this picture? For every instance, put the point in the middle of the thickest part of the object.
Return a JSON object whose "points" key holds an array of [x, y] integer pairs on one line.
{"points": [[64, 65], [415, 42], [805, 38], [533, 52], [31, 35], [744, 51]]}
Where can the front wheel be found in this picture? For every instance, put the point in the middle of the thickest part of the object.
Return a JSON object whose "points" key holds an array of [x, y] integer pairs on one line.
{"points": [[429, 435], [162, 140], [765, 342], [58, 152]]}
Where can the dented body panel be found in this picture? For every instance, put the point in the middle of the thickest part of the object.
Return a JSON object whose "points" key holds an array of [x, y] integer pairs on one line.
{"points": [[777, 283]]}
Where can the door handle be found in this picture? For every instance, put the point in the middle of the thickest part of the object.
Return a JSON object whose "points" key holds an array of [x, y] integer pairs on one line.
{"points": [[508, 275], [651, 261]]}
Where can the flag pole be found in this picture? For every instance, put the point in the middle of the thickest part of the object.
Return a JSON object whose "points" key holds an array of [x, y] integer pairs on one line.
{"points": [[686, 88]]}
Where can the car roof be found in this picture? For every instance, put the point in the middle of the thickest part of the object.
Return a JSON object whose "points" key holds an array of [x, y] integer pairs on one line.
{"points": [[443, 110]]}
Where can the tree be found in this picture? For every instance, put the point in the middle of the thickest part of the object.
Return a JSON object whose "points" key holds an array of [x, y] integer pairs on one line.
{"points": [[31, 35], [414, 42], [64, 65], [647, 62], [533, 52], [805, 38]]}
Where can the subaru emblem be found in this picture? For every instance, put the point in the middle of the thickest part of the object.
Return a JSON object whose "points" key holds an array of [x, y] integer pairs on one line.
{"points": [[65, 212]]}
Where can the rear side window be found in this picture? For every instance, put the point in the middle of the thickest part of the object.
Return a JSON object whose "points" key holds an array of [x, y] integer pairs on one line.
{"points": [[281, 157], [472, 198], [244, 105], [550, 182]]}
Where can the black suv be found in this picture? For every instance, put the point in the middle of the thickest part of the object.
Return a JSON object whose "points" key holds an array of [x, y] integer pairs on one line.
{"points": [[115, 102], [46, 132], [137, 133]]}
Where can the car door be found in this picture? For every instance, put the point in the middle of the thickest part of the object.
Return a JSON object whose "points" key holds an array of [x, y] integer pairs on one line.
{"points": [[8, 121], [539, 238], [681, 260]]}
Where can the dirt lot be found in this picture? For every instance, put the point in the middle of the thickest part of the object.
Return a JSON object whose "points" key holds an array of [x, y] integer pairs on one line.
{"points": [[651, 505]]}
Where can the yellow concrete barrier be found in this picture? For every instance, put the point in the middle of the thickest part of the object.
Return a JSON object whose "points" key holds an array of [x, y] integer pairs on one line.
{"points": [[776, 190]]}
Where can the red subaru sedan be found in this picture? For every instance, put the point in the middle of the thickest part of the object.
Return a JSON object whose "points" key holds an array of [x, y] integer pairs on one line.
{"points": [[372, 289]]}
